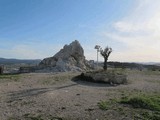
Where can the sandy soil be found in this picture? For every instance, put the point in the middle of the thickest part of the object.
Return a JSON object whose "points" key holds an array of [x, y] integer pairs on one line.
{"points": [[57, 96]]}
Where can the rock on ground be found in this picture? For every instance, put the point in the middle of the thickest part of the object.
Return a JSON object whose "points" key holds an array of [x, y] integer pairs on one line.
{"points": [[70, 58]]}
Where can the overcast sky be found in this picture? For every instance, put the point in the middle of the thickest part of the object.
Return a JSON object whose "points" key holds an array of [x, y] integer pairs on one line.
{"points": [[35, 29]]}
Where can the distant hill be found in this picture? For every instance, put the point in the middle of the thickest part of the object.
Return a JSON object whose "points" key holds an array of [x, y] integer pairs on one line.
{"points": [[150, 63], [19, 61], [153, 66]]}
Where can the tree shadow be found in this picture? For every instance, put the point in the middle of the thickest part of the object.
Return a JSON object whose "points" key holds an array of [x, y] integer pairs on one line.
{"points": [[16, 95], [26, 93]]}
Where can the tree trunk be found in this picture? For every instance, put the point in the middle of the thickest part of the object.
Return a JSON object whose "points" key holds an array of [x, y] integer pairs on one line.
{"points": [[105, 64]]}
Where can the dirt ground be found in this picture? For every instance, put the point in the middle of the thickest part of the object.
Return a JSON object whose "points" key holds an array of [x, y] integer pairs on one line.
{"points": [[58, 96]]}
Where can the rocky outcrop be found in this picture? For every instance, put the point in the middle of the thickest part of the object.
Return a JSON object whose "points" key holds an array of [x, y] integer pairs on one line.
{"points": [[70, 58]]}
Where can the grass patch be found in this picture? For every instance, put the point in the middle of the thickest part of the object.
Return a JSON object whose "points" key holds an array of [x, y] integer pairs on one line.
{"points": [[109, 71], [149, 72], [144, 102], [56, 78], [62, 77], [105, 105], [48, 82], [11, 118], [9, 78], [29, 116], [151, 115], [144, 107]]}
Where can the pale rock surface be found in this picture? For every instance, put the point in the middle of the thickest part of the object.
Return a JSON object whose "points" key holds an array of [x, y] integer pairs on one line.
{"points": [[70, 58]]}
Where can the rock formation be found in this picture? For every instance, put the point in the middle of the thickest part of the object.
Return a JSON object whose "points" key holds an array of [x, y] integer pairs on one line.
{"points": [[70, 58]]}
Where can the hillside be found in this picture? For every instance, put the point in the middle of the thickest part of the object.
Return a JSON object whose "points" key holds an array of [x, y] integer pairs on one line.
{"points": [[141, 66], [19, 61]]}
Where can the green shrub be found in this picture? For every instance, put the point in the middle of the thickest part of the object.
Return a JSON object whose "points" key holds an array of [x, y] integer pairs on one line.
{"points": [[151, 115], [104, 105], [143, 101]]}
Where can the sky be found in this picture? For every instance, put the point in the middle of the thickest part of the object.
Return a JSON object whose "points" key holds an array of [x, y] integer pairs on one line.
{"points": [[36, 29]]}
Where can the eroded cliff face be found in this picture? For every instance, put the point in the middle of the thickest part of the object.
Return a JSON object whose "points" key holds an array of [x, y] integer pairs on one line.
{"points": [[70, 58]]}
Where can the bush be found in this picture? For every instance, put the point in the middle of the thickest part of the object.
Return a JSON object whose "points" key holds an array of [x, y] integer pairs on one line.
{"points": [[111, 77]]}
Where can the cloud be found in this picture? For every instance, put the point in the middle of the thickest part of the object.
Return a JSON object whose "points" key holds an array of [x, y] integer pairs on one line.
{"points": [[145, 18], [139, 32]]}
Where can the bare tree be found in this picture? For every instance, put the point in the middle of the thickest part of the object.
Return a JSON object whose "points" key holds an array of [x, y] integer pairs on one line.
{"points": [[105, 53]]}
